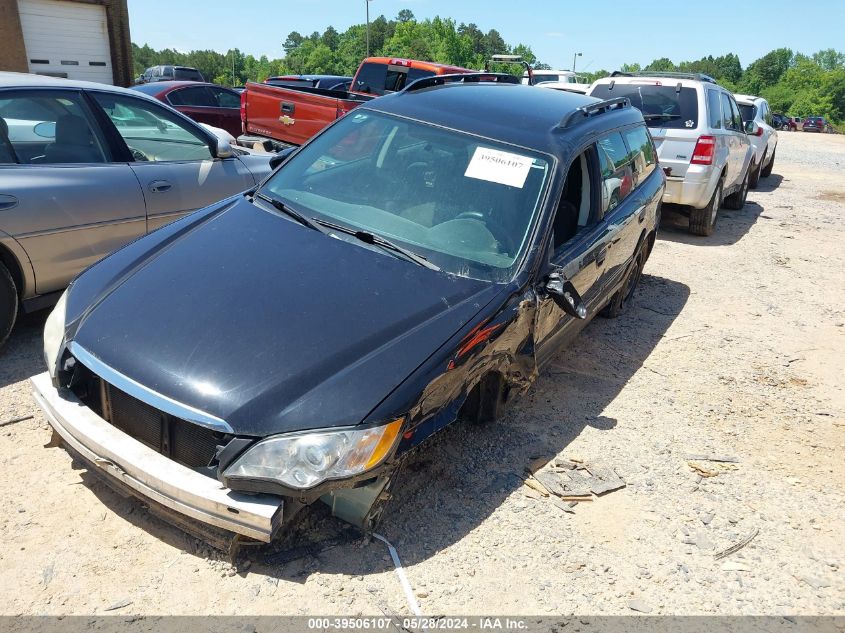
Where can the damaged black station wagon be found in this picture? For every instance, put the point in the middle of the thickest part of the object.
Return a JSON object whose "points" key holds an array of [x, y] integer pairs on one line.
{"points": [[415, 263]]}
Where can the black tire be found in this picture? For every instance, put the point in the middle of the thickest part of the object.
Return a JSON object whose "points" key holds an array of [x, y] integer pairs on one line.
{"points": [[621, 299], [703, 221], [8, 303], [767, 171], [754, 179], [736, 200]]}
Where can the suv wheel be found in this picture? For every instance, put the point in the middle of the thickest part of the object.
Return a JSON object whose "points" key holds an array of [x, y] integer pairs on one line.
{"points": [[736, 200], [768, 170], [8, 303], [703, 221]]}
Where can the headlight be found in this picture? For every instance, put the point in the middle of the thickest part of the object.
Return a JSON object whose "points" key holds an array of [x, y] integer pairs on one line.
{"points": [[303, 461], [54, 334]]}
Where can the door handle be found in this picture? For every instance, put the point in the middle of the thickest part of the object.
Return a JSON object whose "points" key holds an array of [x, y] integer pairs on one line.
{"points": [[7, 202], [601, 255], [159, 186], [288, 108]]}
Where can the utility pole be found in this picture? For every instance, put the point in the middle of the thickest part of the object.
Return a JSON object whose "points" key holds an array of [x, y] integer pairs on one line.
{"points": [[574, 57], [233, 68], [367, 4]]}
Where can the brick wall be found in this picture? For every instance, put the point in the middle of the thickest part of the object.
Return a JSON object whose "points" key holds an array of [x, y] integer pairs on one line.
{"points": [[13, 51]]}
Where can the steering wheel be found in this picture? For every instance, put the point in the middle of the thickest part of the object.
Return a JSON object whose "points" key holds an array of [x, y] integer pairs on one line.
{"points": [[506, 243], [138, 155]]}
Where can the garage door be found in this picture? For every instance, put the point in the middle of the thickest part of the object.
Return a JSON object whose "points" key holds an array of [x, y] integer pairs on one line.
{"points": [[66, 39]]}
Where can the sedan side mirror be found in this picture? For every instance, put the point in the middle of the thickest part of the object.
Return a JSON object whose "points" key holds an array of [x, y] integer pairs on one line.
{"points": [[564, 294], [224, 149], [751, 127], [281, 157]]}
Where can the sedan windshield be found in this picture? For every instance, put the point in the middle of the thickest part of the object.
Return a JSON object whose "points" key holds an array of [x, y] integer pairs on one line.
{"points": [[463, 203]]}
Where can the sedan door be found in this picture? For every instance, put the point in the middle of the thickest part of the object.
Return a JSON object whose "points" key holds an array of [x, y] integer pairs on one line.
{"points": [[173, 158], [63, 198]]}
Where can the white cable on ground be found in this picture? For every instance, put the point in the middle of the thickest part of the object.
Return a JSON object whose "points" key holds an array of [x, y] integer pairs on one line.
{"points": [[403, 579]]}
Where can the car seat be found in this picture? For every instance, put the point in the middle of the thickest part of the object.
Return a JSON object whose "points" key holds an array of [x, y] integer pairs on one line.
{"points": [[74, 143], [7, 150]]}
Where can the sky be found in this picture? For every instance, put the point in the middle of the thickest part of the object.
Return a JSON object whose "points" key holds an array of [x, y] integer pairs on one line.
{"points": [[607, 33]]}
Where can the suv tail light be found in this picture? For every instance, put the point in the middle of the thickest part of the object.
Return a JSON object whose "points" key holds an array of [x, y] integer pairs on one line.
{"points": [[704, 150], [243, 112], [759, 131]]}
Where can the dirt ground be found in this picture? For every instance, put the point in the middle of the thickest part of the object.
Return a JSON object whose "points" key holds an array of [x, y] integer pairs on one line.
{"points": [[734, 346]]}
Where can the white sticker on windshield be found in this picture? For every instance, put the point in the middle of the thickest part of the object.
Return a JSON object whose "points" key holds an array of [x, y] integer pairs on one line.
{"points": [[497, 166]]}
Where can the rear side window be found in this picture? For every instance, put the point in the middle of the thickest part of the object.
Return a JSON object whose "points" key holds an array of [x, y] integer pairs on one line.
{"points": [[662, 106], [748, 112], [616, 173], [188, 74], [714, 110], [193, 96], [226, 98], [642, 152], [727, 114]]}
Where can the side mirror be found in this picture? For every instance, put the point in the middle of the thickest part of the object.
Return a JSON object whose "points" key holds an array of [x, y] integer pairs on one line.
{"points": [[281, 157], [751, 127], [564, 294], [224, 149]]}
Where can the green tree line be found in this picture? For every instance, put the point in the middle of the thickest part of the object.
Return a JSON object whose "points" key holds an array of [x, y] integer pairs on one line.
{"points": [[794, 83], [334, 53]]}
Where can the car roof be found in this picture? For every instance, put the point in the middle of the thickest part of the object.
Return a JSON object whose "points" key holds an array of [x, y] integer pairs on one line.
{"points": [[747, 99], [415, 63], [28, 80], [159, 87], [653, 80], [513, 113]]}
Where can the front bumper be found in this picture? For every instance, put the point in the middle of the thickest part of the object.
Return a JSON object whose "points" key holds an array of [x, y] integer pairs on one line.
{"points": [[151, 475]]}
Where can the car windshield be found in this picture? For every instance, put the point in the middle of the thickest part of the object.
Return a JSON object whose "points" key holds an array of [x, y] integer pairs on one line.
{"points": [[747, 111], [662, 106], [464, 203]]}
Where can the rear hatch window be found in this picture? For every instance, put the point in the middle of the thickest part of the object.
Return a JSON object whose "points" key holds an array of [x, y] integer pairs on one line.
{"points": [[748, 112], [188, 74], [662, 106]]}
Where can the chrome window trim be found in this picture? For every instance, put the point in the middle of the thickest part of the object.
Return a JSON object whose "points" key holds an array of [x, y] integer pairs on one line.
{"points": [[145, 394]]}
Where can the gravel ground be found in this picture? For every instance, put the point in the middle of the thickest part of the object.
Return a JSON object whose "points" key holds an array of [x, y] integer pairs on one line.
{"points": [[733, 346]]}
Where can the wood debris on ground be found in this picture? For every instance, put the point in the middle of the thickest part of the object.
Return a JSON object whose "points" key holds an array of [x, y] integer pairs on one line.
{"points": [[711, 468], [570, 481]]}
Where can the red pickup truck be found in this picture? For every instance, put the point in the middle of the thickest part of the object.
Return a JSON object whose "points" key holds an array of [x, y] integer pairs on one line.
{"points": [[277, 116]]}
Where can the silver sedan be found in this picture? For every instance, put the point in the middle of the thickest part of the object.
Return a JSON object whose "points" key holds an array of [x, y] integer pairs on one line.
{"points": [[86, 168]]}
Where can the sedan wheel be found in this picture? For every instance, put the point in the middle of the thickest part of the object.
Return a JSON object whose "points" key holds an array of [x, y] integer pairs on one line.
{"points": [[8, 303]]}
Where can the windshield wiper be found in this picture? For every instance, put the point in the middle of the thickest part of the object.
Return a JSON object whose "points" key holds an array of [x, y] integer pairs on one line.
{"points": [[296, 215], [371, 238], [651, 117]]}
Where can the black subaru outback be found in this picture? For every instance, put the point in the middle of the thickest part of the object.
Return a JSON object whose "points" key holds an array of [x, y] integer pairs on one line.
{"points": [[416, 263]]}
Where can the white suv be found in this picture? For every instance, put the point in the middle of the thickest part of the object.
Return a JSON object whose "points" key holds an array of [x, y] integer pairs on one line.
{"points": [[700, 138], [762, 133]]}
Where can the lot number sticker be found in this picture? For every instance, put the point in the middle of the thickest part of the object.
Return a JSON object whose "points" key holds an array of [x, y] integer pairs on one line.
{"points": [[501, 167]]}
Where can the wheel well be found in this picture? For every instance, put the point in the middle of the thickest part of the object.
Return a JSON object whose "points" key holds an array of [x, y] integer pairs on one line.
{"points": [[484, 400], [11, 264]]}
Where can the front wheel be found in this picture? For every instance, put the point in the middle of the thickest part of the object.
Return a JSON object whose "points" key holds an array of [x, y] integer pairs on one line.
{"points": [[621, 299], [768, 170], [736, 200], [703, 221], [8, 303]]}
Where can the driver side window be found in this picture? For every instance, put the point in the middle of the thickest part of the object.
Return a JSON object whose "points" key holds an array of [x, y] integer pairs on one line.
{"points": [[151, 133], [574, 210]]}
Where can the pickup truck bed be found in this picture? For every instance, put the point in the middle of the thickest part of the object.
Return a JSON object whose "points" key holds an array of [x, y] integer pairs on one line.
{"points": [[293, 114]]}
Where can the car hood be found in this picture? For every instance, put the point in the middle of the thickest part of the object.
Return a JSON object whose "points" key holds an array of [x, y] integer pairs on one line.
{"points": [[249, 317]]}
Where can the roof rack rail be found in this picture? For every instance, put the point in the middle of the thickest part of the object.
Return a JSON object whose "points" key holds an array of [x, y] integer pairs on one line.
{"points": [[439, 80], [670, 75], [592, 109]]}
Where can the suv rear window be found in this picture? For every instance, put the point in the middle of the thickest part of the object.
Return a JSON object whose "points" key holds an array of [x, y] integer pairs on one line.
{"points": [[662, 106], [378, 78], [748, 112], [189, 74]]}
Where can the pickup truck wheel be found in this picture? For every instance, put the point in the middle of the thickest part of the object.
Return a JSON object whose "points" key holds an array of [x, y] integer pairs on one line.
{"points": [[754, 178], [767, 171], [736, 200], [620, 301], [8, 303], [703, 221]]}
